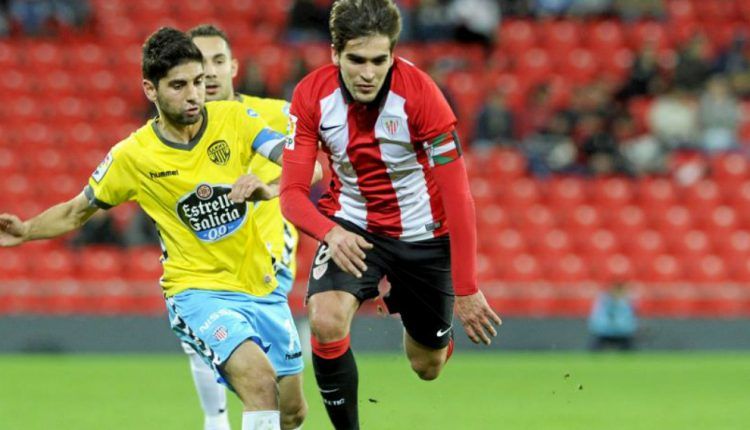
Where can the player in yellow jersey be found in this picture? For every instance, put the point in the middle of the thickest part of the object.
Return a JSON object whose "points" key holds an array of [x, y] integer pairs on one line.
{"points": [[186, 169], [280, 238]]}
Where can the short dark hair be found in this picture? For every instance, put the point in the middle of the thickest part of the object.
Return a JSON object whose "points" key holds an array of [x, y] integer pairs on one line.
{"points": [[208, 30], [352, 19], [165, 49]]}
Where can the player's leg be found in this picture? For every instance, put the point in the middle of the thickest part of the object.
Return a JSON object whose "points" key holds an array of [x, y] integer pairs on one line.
{"points": [[422, 292], [331, 314], [276, 327], [292, 402], [217, 326], [333, 299], [212, 395]]}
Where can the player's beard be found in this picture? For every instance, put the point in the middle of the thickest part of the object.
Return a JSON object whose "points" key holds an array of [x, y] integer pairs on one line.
{"points": [[178, 116]]}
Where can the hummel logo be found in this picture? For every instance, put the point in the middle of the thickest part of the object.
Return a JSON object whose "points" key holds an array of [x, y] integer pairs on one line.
{"points": [[329, 127], [441, 333], [164, 174]]}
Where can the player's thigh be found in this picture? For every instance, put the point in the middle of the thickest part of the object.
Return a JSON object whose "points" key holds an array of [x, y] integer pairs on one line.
{"points": [[276, 328], [250, 374], [422, 292], [421, 355], [214, 324]]}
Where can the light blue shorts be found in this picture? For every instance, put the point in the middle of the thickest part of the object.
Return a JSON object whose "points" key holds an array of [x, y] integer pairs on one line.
{"points": [[215, 323]]}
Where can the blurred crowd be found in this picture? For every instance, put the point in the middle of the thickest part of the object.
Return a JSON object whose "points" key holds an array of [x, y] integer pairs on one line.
{"points": [[42, 17]]}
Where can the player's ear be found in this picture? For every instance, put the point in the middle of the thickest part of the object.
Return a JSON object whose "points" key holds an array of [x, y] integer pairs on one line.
{"points": [[334, 56], [150, 90], [235, 67]]}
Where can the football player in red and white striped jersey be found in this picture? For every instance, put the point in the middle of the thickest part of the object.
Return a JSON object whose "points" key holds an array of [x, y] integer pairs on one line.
{"points": [[398, 192]]}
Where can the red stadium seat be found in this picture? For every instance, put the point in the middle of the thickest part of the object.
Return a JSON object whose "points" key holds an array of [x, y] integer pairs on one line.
{"points": [[505, 244], [519, 193], [680, 11], [692, 243], [600, 242], [706, 269], [13, 264], [605, 36], [553, 244], [521, 268], [648, 32], [579, 66], [505, 164], [517, 37], [569, 268], [492, 215], [659, 269], [731, 245], [560, 36], [565, 193], [730, 170], [581, 220], [673, 221], [721, 220], [143, 263], [534, 65], [101, 264], [611, 268], [646, 244], [626, 222], [536, 218], [656, 193], [55, 265]]}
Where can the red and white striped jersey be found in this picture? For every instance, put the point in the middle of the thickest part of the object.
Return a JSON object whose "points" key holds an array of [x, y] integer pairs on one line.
{"points": [[381, 154]]}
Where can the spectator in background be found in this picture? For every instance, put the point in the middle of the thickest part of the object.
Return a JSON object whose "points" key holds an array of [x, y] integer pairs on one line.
{"points": [[298, 71], [551, 149], [475, 21], [599, 148], [718, 116], [612, 322], [253, 80], [495, 123], [141, 230], [32, 15], [538, 111], [645, 77], [693, 64], [590, 7], [99, 230], [431, 21], [631, 10], [4, 22], [734, 62], [673, 119], [71, 13], [642, 152], [551, 7], [308, 22]]}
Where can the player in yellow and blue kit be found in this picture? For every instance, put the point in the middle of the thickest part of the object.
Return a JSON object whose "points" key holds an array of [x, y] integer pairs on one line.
{"points": [[279, 236], [186, 169]]}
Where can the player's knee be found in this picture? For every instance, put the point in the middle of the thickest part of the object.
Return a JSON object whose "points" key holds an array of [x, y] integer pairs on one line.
{"points": [[257, 389], [328, 327], [292, 416], [428, 369]]}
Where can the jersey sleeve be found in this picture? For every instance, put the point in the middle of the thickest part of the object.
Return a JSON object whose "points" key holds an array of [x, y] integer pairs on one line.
{"points": [[431, 113], [115, 180], [300, 153], [262, 139]]}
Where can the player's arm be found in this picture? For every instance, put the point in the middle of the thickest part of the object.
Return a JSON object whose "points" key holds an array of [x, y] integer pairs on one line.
{"points": [[250, 188], [300, 153], [55, 221], [450, 175]]}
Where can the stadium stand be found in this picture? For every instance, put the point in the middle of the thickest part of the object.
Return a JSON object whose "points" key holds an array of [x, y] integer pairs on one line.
{"points": [[546, 243]]}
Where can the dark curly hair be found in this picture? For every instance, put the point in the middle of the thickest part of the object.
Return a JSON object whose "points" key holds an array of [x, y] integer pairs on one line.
{"points": [[165, 49], [352, 19]]}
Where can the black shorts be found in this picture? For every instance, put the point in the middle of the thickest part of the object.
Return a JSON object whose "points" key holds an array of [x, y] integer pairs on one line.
{"points": [[419, 274]]}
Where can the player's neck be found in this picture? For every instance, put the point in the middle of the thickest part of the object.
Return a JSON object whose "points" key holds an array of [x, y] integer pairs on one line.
{"points": [[178, 133]]}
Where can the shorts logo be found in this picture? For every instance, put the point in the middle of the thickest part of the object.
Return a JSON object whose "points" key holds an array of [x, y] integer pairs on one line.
{"points": [[441, 332], [319, 271], [219, 152], [221, 333], [209, 213]]}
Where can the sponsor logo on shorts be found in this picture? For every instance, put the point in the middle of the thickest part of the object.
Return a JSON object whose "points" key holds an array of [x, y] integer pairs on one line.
{"points": [[292, 356], [321, 261], [221, 333], [441, 332]]}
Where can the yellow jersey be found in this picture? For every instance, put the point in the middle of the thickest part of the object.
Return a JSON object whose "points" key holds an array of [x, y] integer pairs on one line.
{"points": [[280, 236], [209, 243]]}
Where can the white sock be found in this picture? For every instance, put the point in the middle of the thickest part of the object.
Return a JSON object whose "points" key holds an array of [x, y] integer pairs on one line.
{"points": [[261, 420], [212, 395]]}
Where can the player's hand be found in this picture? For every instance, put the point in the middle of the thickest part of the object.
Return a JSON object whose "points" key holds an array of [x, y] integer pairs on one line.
{"points": [[250, 188], [12, 230], [478, 319], [347, 250]]}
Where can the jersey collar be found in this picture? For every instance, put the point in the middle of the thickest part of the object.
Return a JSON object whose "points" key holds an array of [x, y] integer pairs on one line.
{"points": [[190, 145]]}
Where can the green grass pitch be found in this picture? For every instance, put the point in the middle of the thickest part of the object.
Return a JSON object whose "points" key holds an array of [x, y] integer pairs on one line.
{"points": [[476, 391]]}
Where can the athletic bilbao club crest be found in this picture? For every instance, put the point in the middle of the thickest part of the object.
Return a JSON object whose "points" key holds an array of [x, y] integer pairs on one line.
{"points": [[391, 126], [219, 152], [221, 333]]}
